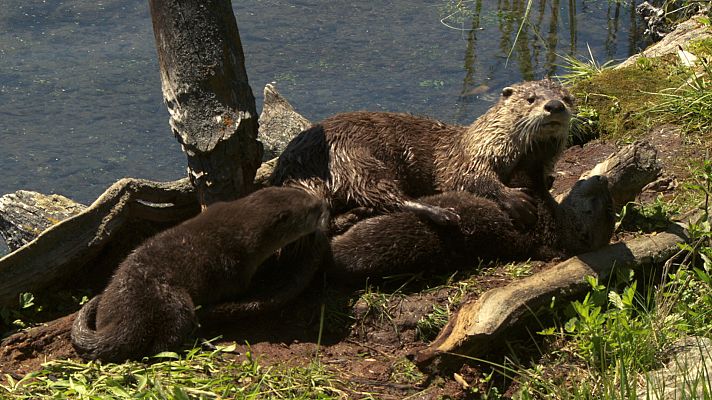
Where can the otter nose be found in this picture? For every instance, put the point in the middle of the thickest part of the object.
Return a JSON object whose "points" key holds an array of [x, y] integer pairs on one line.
{"points": [[554, 106]]}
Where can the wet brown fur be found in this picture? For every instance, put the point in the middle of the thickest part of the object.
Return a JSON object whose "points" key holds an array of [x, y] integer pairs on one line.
{"points": [[383, 161], [148, 306], [402, 242]]}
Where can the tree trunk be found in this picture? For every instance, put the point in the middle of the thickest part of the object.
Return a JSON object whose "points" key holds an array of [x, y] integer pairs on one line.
{"points": [[212, 109]]}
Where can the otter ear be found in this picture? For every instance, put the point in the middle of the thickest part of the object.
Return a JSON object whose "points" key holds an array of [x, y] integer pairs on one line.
{"points": [[506, 92]]}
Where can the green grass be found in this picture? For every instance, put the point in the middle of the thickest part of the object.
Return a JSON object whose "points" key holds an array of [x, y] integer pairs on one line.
{"points": [[577, 70], [197, 375], [689, 105]]}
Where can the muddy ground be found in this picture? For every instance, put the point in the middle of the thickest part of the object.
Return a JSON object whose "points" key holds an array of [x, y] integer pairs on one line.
{"points": [[365, 347]]}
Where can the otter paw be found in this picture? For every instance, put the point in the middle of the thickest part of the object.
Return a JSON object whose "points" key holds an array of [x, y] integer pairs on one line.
{"points": [[439, 215], [520, 206], [444, 216]]}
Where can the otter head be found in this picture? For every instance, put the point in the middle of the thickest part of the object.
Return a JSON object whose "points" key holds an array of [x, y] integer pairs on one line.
{"points": [[587, 212], [282, 215], [542, 111]]}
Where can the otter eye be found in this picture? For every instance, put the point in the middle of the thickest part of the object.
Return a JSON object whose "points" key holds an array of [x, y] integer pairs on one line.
{"points": [[531, 98], [506, 92]]}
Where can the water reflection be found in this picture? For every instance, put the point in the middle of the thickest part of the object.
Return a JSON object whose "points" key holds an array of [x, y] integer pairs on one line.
{"points": [[550, 31]]}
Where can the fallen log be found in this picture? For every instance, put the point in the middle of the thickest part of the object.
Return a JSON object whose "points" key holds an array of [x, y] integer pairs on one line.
{"points": [[628, 171], [479, 324], [25, 214], [64, 248]]}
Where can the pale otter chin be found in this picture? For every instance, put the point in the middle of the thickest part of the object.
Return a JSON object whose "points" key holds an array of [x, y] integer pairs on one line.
{"points": [[383, 162]]}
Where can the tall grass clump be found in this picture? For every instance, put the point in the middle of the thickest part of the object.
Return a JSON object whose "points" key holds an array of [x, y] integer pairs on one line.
{"points": [[689, 105]]}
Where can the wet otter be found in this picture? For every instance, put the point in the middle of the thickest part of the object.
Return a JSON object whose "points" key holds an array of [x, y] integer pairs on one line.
{"points": [[148, 306], [383, 161], [403, 242]]}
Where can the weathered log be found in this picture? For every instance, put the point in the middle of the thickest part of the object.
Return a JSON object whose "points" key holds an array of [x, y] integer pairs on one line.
{"points": [[695, 28], [64, 248], [628, 171], [279, 124], [212, 108], [479, 324], [25, 214]]}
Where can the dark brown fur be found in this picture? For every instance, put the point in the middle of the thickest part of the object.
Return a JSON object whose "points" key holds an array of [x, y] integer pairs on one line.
{"points": [[402, 242], [148, 306], [383, 161]]}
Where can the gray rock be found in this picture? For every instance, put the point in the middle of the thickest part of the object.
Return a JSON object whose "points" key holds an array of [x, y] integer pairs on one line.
{"points": [[685, 376], [279, 123]]}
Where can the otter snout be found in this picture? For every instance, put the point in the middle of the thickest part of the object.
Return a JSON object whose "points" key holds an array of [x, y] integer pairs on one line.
{"points": [[555, 106]]}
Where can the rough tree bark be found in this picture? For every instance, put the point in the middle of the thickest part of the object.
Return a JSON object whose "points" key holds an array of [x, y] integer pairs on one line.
{"points": [[212, 108]]}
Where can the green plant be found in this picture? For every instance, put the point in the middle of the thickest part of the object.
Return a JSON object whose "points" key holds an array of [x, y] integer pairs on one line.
{"points": [[405, 372], [650, 217], [18, 318], [585, 125], [579, 70], [689, 105], [430, 325], [197, 375]]}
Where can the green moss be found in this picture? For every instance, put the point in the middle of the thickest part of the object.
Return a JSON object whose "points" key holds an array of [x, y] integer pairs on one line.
{"points": [[701, 47], [620, 96]]}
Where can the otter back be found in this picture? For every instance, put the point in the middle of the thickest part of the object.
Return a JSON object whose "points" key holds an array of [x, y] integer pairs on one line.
{"points": [[383, 161]]}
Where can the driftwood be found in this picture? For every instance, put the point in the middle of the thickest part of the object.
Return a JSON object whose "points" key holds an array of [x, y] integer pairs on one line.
{"points": [[24, 215], [279, 123], [480, 323], [483, 322], [628, 172], [205, 88], [61, 250], [686, 32]]}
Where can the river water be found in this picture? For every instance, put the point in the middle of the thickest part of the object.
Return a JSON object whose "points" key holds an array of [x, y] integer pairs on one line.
{"points": [[80, 96]]}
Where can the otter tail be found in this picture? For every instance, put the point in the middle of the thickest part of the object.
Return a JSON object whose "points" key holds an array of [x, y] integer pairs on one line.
{"points": [[136, 326], [84, 336]]}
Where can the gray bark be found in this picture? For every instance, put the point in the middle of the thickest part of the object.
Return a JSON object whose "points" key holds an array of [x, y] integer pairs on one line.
{"points": [[279, 123], [212, 109], [24, 215]]}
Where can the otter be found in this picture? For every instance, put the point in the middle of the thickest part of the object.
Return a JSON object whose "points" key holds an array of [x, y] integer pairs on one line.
{"points": [[377, 162], [148, 305], [404, 242]]}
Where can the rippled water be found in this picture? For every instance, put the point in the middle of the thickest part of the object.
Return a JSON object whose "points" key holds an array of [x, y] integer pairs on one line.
{"points": [[80, 96]]}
